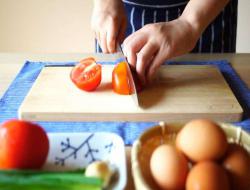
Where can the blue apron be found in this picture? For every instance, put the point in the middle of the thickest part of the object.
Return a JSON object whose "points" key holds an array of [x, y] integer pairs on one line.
{"points": [[219, 36]]}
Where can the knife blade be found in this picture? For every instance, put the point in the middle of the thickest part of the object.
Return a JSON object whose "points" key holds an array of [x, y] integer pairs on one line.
{"points": [[130, 78]]}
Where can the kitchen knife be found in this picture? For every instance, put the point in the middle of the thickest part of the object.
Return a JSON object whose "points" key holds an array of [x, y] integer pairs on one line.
{"points": [[131, 81]]}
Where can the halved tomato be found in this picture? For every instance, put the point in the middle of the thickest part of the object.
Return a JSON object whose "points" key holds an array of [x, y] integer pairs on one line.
{"points": [[87, 74]]}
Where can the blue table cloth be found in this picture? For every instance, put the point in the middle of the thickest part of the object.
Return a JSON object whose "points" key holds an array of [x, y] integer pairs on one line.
{"points": [[129, 131]]}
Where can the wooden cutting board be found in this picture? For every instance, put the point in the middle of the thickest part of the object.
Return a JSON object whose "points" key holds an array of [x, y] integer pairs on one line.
{"points": [[181, 93]]}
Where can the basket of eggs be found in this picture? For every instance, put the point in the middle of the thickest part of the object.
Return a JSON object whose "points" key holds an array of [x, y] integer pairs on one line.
{"points": [[200, 155]]}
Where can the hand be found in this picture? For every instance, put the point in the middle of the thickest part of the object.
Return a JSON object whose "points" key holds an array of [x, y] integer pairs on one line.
{"points": [[109, 23], [152, 45]]}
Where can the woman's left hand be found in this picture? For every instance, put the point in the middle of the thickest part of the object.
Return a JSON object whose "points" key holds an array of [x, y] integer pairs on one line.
{"points": [[152, 45]]}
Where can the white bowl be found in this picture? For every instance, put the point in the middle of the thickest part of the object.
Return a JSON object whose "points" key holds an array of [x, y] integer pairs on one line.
{"points": [[76, 150]]}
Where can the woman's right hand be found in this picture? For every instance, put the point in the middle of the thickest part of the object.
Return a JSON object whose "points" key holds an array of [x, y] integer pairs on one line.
{"points": [[109, 23]]}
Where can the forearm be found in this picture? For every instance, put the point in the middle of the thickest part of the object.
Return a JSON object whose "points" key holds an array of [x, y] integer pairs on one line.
{"points": [[199, 13]]}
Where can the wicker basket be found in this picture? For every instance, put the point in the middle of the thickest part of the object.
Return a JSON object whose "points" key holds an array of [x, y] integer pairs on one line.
{"points": [[153, 137]]}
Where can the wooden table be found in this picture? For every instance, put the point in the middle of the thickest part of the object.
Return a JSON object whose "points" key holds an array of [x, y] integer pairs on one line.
{"points": [[10, 64]]}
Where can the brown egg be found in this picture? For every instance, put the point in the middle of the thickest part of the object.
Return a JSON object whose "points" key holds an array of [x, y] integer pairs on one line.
{"points": [[169, 167], [202, 140], [207, 175], [237, 163]]}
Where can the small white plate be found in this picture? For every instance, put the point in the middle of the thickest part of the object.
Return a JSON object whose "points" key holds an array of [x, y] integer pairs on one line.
{"points": [[76, 150]]}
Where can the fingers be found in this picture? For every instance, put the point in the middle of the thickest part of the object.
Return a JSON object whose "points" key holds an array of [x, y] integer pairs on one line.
{"points": [[103, 41], [140, 51], [156, 62], [108, 34], [144, 58], [132, 45], [111, 37], [108, 38], [111, 41], [97, 37], [131, 57], [108, 20]]}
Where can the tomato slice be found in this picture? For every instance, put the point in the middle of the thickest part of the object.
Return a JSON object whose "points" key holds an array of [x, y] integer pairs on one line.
{"points": [[87, 74], [120, 80]]}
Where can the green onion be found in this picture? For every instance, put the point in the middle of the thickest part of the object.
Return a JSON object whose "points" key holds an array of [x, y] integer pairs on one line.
{"points": [[39, 180]]}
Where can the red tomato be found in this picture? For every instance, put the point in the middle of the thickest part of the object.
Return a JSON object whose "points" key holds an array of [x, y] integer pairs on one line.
{"points": [[23, 145], [120, 80], [87, 74]]}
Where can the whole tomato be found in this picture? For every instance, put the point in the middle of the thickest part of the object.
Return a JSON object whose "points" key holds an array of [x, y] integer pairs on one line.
{"points": [[23, 145], [87, 74]]}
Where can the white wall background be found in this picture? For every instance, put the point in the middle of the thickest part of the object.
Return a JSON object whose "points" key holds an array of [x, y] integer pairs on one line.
{"points": [[60, 26], [46, 26], [243, 30]]}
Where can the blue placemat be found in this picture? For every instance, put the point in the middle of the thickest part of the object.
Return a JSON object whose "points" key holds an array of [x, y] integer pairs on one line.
{"points": [[129, 131]]}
